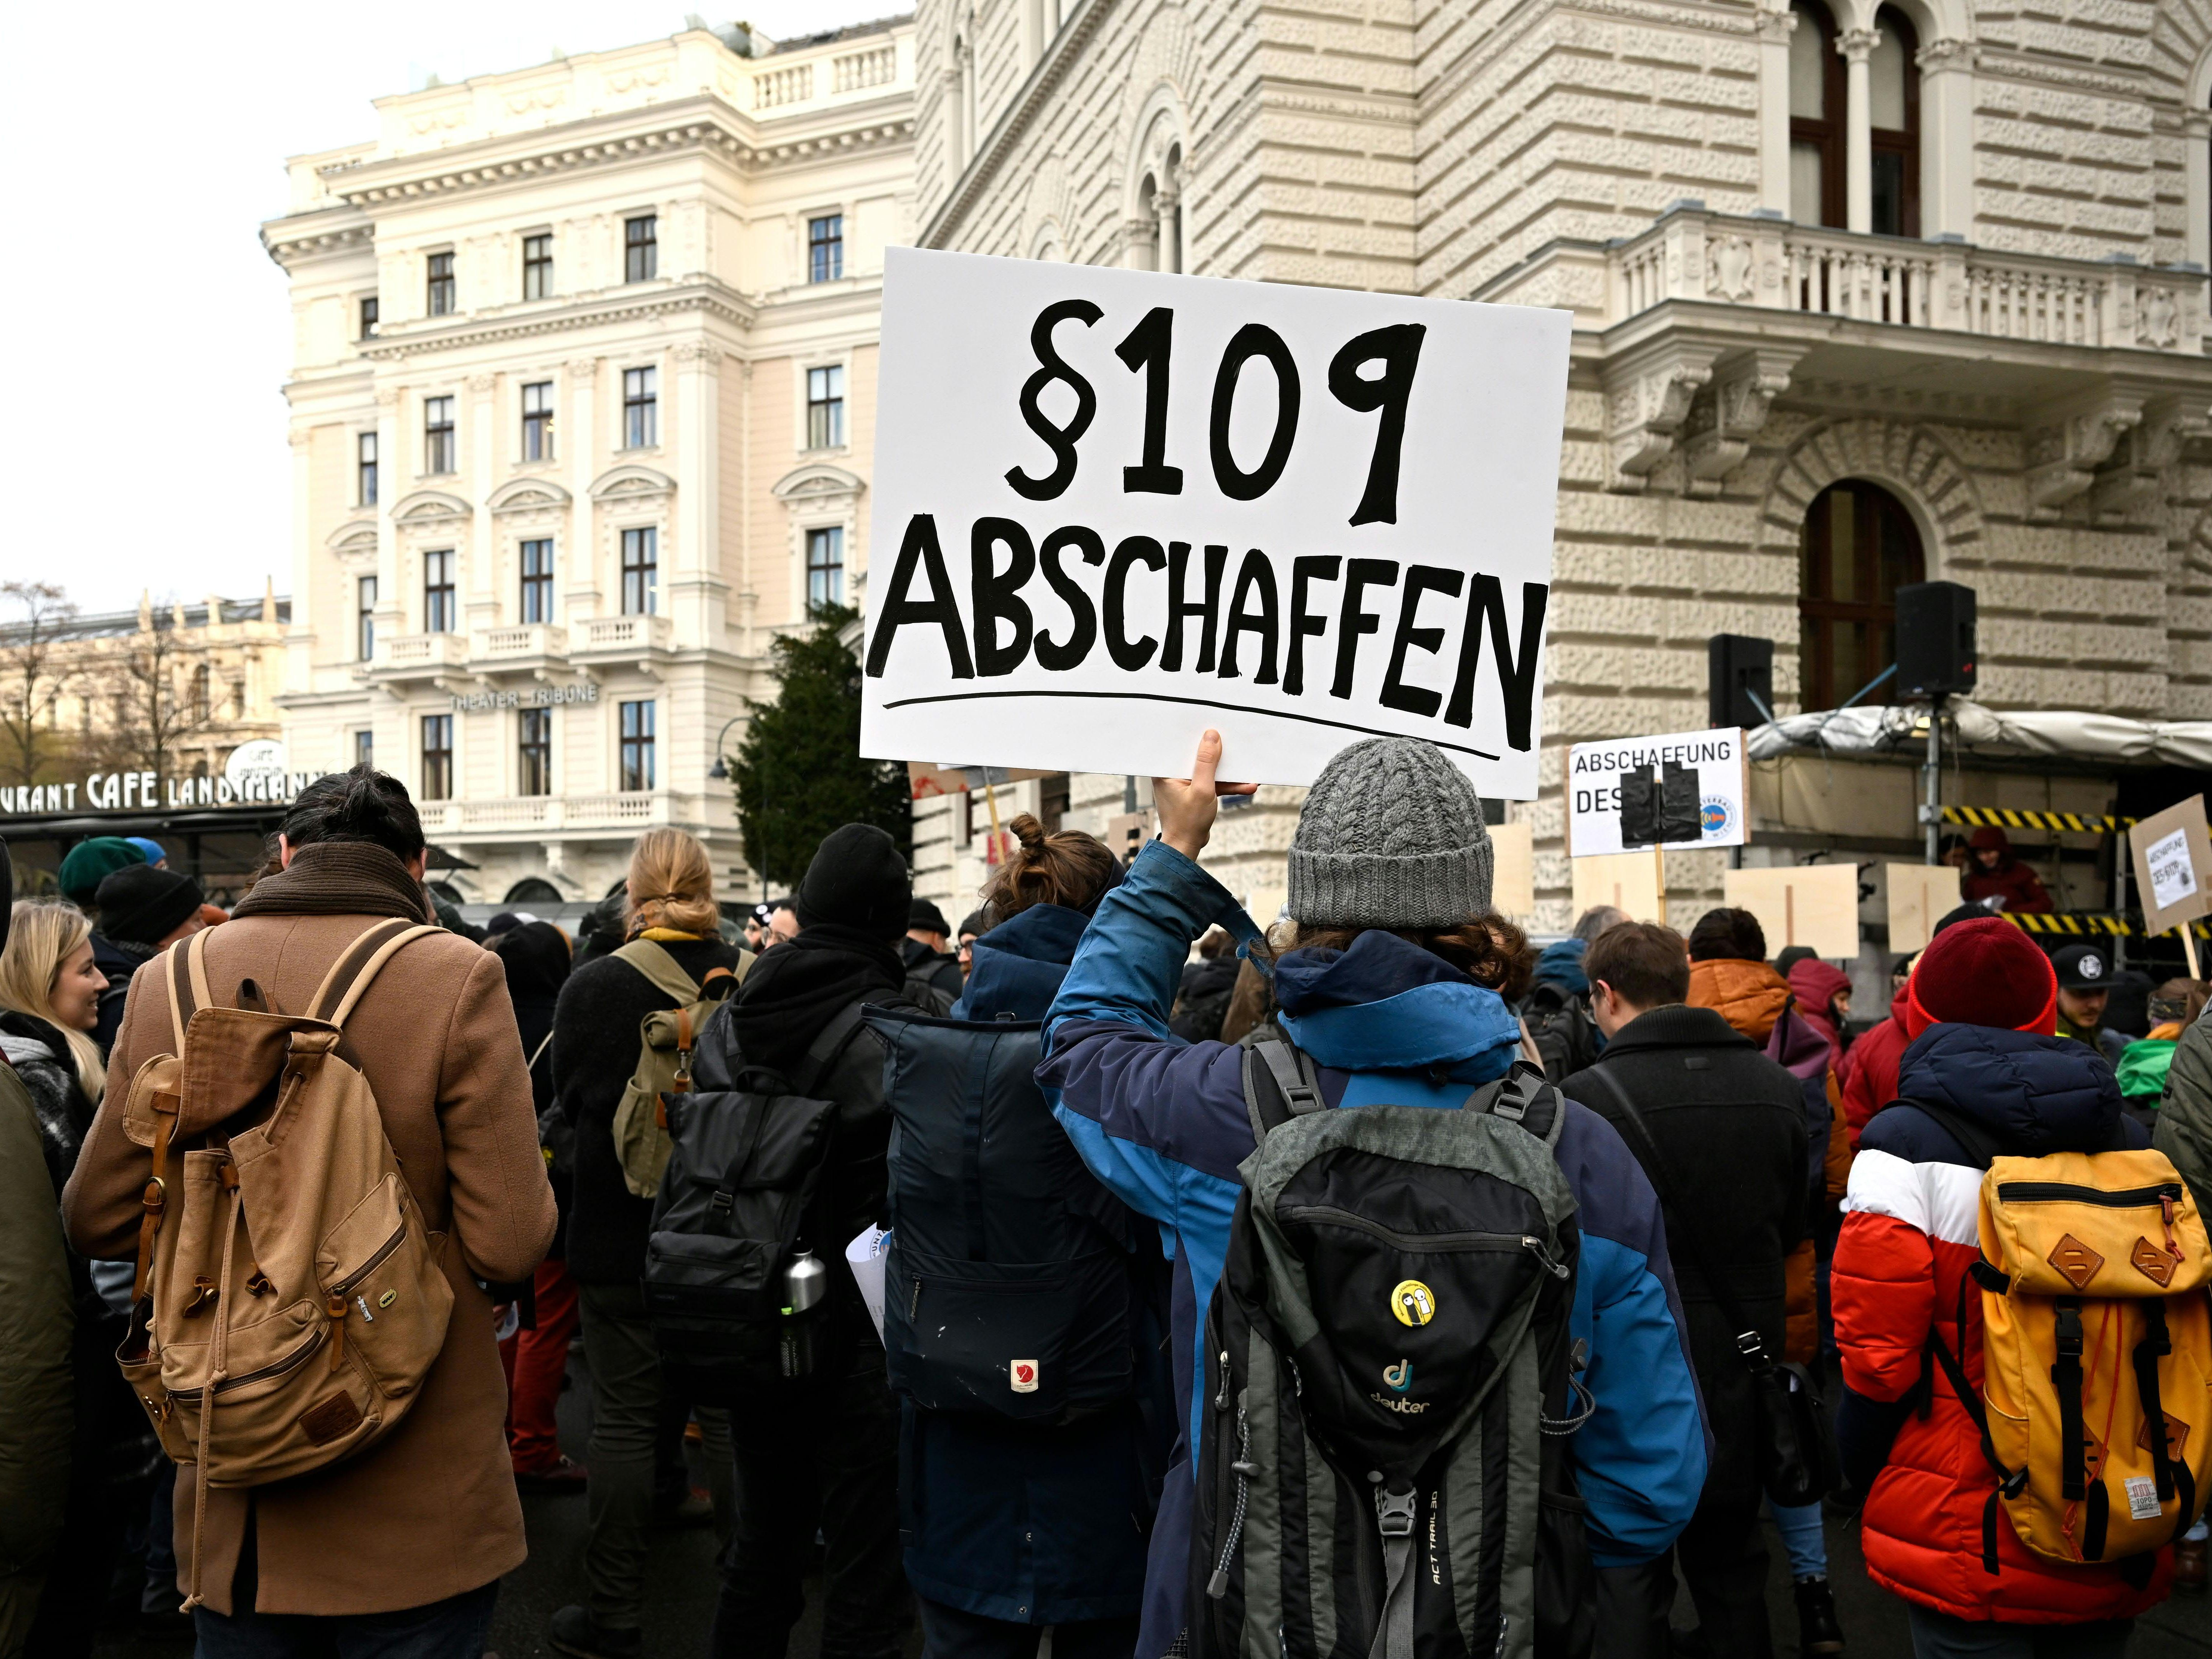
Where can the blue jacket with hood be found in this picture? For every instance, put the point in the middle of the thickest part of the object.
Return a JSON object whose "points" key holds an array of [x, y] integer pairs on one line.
{"points": [[1004, 1520], [1164, 1125]]}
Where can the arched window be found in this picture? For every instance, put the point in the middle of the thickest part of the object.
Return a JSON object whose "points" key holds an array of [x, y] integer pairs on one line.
{"points": [[1858, 547], [1816, 118], [1893, 114], [1148, 257], [533, 890]]}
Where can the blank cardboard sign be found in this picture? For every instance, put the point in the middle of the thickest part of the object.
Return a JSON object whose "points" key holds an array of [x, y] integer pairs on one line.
{"points": [[1815, 905], [1513, 879], [1630, 881], [2172, 866], [1920, 896]]}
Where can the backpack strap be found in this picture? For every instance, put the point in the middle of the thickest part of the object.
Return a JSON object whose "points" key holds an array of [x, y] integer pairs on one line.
{"points": [[2010, 1481], [2172, 1472], [537, 1053], [1523, 1095], [1974, 1139], [347, 968], [830, 1042], [369, 969], [184, 1001], [662, 971], [1279, 1084]]}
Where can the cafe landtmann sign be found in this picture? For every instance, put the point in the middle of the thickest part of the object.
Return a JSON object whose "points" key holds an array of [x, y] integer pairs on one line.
{"points": [[116, 792]]}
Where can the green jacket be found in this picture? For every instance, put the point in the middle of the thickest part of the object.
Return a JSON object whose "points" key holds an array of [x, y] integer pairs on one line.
{"points": [[2143, 1067], [36, 1322], [2183, 1129]]}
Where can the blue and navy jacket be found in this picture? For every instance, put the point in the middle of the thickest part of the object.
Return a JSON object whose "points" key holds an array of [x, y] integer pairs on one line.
{"points": [[1163, 1124]]}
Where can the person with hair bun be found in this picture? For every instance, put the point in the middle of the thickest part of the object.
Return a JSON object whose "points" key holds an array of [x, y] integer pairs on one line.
{"points": [[1013, 1526], [414, 1533], [671, 926]]}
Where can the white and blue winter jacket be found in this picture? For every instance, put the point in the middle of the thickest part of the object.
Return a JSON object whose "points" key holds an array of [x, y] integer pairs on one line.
{"points": [[1164, 1125]]}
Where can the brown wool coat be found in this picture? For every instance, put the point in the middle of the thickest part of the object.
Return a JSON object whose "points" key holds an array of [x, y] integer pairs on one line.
{"points": [[430, 1511]]}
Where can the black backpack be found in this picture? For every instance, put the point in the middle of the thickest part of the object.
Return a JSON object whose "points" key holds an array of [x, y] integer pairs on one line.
{"points": [[1010, 1283], [736, 1204], [1389, 1383], [1560, 1026]]}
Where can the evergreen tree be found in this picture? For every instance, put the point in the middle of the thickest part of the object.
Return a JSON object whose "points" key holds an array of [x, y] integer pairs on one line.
{"points": [[799, 773]]}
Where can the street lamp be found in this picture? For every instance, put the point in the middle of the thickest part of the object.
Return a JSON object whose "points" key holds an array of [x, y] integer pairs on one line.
{"points": [[720, 771], [720, 774]]}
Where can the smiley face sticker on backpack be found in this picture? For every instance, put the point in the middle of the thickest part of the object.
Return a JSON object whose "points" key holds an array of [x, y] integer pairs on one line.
{"points": [[1412, 1301]]}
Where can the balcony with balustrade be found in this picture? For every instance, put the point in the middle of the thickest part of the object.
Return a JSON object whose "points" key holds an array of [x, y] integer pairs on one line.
{"points": [[406, 657], [602, 641], [524, 816], [1698, 324]]}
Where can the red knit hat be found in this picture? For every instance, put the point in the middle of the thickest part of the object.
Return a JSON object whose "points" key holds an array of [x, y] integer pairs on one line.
{"points": [[1984, 972]]}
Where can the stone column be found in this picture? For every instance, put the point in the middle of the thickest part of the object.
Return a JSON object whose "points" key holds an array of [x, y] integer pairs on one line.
{"points": [[2197, 139], [696, 587], [1947, 139], [576, 565], [391, 405], [1856, 44], [1139, 251], [482, 556], [1774, 26], [1167, 203]]}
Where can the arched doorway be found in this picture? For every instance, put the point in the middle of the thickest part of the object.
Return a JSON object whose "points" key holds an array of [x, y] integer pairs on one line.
{"points": [[1857, 547], [533, 890]]}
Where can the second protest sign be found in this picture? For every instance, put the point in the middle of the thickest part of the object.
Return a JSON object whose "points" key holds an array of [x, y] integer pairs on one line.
{"points": [[1113, 508]]}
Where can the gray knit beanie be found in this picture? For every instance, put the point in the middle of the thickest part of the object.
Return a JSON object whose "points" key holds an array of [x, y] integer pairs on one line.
{"points": [[1391, 836]]}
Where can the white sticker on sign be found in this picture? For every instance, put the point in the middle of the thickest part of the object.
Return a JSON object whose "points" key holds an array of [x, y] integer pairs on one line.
{"points": [[1114, 508], [2143, 1498], [2172, 879]]}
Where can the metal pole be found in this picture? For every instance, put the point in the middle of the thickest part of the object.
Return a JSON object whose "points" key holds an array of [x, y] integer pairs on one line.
{"points": [[1931, 813], [2120, 855], [1129, 792]]}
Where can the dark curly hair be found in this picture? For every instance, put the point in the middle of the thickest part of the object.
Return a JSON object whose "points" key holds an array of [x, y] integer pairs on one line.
{"points": [[1489, 950]]}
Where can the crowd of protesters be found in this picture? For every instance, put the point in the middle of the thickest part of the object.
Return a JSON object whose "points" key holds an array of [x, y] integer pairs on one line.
{"points": [[1751, 1167]]}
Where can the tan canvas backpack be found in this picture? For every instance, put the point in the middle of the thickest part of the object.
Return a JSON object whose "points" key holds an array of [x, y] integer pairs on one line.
{"points": [[288, 1300], [666, 1037]]}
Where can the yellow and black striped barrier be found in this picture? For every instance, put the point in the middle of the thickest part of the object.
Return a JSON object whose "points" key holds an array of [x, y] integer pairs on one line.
{"points": [[2020, 818], [2087, 924]]}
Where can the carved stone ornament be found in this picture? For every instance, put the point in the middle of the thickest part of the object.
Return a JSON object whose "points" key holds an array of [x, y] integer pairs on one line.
{"points": [[1776, 23], [582, 369], [1725, 420], [483, 384], [2158, 318], [1644, 412], [1949, 54], [698, 351], [2136, 483], [2064, 456], [1728, 263], [1857, 45]]}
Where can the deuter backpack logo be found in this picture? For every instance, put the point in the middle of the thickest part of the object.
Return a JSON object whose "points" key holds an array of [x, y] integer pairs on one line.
{"points": [[1022, 1376], [1399, 1376]]}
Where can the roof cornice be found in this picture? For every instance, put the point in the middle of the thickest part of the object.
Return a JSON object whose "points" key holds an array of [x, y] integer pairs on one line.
{"points": [[702, 295], [684, 124]]}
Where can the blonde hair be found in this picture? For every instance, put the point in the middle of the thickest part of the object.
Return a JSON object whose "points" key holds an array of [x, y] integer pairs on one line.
{"points": [[672, 885], [40, 936]]}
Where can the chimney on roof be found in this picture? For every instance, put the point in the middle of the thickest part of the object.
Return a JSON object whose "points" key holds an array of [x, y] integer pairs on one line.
{"points": [[145, 610]]}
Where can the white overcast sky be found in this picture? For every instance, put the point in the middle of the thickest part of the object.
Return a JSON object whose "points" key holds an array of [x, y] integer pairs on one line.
{"points": [[146, 332]]}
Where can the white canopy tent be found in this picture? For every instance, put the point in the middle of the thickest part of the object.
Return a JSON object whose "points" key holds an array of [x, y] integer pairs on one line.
{"points": [[1973, 729]]}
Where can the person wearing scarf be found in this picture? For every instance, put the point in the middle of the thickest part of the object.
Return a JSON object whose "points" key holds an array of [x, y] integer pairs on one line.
{"points": [[824, 1450]]}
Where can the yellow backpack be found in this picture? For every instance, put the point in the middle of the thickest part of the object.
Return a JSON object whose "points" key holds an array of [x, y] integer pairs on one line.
{"points": [[2094, 1328]]}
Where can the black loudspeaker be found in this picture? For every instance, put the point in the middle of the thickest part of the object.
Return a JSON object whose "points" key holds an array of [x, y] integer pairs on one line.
{"points": [[1740, 668], [1934, 639]]}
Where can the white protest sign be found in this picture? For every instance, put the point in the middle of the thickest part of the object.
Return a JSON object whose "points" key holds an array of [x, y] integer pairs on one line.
{"points": [[2171, 880], [2172, 857], [1685, 789], [1114, 508]]}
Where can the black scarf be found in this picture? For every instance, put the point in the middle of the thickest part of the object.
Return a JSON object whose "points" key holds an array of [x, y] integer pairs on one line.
{"points": [[338, 879], [795, 989]]}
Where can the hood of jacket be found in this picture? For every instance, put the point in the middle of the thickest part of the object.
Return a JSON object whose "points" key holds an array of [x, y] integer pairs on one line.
{"points": [[1816, 984], [2144, 1065], [2037, 1094], [1990, 839], [1018, 965], [1561, 964], [1386, 1004], [1750, 995], [118, 958]]}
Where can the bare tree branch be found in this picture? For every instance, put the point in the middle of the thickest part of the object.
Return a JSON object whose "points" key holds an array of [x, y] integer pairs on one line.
{"points": [[33, 675]]}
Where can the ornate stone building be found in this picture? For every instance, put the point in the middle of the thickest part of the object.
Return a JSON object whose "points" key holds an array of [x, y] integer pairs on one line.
{"points": [[581, 416], [1864, 294]]}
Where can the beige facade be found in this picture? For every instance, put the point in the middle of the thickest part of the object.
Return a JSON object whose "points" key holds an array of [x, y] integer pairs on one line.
{"points": [[1942, 255], [606, 421]]}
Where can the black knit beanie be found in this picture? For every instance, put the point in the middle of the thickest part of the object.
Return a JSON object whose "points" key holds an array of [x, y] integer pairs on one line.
{"points": [[140, 905], [857, 880]]}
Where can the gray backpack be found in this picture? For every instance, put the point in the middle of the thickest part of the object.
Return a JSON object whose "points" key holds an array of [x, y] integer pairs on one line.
{"points": [[1383, 1464]]}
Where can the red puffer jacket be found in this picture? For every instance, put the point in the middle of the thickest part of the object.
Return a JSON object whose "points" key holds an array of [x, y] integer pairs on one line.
{"points": [[1868, 1072], [1911, 1230]]}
